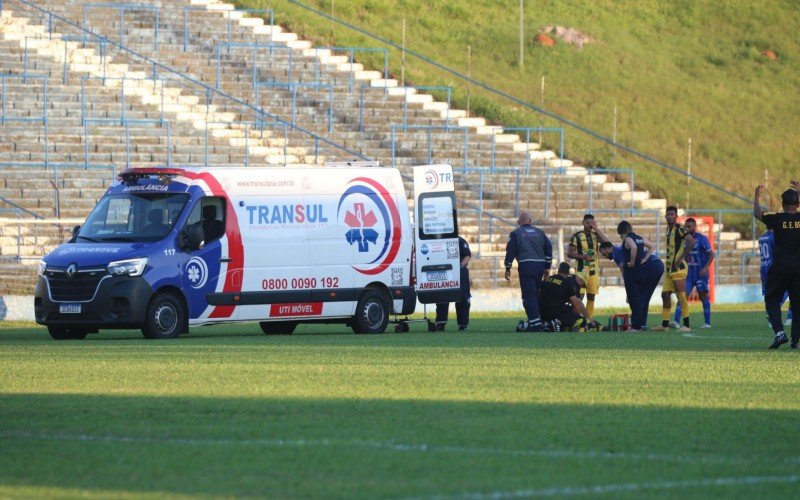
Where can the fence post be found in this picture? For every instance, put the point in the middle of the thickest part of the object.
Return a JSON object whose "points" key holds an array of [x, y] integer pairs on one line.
{"points": [[547, 195], [393, 145], [492, 154], [466, 148], [631, 190], [430, 145], [169, 144], [330, 108], [360, 109]]}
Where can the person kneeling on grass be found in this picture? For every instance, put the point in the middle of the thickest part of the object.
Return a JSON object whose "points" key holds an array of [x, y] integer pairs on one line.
{"points": [[560, 304]]}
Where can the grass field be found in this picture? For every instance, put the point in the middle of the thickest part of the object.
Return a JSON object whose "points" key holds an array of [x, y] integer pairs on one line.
{"points": [[228, 411], [673, 70]]}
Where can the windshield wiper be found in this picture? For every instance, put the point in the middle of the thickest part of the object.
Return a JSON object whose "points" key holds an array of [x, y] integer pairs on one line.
{"points": [[118, 238], [87, 238]]}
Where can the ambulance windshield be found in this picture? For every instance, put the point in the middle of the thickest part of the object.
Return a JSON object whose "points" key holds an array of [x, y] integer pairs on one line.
{"points": [[129, 217]]}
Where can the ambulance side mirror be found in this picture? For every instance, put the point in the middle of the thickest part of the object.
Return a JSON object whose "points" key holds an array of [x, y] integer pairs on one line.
{"points": [[75, 231], [191, 238]]}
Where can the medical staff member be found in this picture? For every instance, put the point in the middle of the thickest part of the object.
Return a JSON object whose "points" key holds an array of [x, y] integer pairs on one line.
{"points": [[534, 254], [641, 271], [462, 306]]}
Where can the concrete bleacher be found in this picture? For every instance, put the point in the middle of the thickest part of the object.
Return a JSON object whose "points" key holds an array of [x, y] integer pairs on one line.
{"points": [[365, 105]]}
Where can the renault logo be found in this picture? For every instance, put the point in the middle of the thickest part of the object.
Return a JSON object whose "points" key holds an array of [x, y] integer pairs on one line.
{"points": [[71, 270]]}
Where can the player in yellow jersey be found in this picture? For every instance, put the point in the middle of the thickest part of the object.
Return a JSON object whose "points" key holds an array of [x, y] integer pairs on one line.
{"points": [[679, 243], [584, 247]]}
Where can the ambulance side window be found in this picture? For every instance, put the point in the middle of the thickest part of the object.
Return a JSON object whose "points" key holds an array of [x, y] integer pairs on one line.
{"points": [[436, 216], [209, 213]]}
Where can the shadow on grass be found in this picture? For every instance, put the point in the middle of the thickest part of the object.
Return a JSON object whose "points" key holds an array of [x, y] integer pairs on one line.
{"points": [[375, 448]]}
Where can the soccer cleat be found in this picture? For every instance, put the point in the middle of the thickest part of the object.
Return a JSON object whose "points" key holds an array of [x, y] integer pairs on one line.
{"points": [[684, 329], [553, 325], [462, 328], [706, 325], [659, 329], [520, 327], [793, 345], [780, 339], [674, 324], [439, 327]]}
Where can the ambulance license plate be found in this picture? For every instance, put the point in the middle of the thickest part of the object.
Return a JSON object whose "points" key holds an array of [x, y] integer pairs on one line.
{"points": [[69, 308], [437, 276]]}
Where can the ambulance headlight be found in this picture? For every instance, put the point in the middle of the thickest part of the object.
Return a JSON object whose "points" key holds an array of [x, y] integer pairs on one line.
{"points": [[42, 268], [130, 267]]}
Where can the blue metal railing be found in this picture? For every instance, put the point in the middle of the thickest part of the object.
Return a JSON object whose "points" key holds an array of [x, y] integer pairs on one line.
{"points": [[293, 87], [589, 173], [351, 52], [596, 135], [449, 91], [527, 140], [257, 125], [189, 80], [254, 47], [66, 39], [198, 8], [394, 129], [19, 209], [720, 213], [126, 124], [4, 118], [122, 8], [122, 99], [482, 172]]}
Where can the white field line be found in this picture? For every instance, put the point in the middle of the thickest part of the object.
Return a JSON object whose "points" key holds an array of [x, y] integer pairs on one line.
{"points": [[393, 446], [765, 337], [602, 489]]}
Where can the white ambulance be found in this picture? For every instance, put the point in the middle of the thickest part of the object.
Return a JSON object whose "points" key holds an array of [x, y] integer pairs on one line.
{"points": [[169, 248]]}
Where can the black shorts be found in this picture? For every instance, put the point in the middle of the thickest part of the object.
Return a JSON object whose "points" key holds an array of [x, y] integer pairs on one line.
{"points": [[780, 282], [567, 317]]}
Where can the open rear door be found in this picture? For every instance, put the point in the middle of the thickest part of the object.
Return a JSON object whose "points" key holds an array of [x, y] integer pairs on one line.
{"points": [[436, 235]]}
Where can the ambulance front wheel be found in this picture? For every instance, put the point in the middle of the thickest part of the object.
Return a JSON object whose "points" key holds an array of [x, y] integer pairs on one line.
{"points": [[165, 317], [372, 313], [278, 327]]}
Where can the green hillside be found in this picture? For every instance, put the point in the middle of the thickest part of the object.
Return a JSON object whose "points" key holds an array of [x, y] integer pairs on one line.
{"points": [[674, 70]]}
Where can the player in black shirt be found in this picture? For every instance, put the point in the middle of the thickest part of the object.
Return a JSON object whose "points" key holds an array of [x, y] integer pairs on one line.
{"points": [[560, 304], [784, 275]]}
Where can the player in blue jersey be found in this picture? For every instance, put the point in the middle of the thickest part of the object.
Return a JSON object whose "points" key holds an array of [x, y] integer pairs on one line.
{"points": [[766, 246], [699, 260]]}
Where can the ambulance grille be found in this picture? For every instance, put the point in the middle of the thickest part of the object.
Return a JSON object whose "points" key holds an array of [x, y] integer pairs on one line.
{"points": [[81, 287]]}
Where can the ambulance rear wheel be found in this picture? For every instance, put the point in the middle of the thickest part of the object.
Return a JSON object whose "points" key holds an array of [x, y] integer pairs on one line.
{"points": [[165, 317], [372, 313], [278, 327], [67, 333]]}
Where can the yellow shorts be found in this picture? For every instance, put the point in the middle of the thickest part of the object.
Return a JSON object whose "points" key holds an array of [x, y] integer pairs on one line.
{"points": [[671, 278], [592, 283]]}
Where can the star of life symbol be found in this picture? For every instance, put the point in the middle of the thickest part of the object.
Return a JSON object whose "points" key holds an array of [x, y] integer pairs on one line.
{"points": [[361, 223], [197, 272], [431, 179]]}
